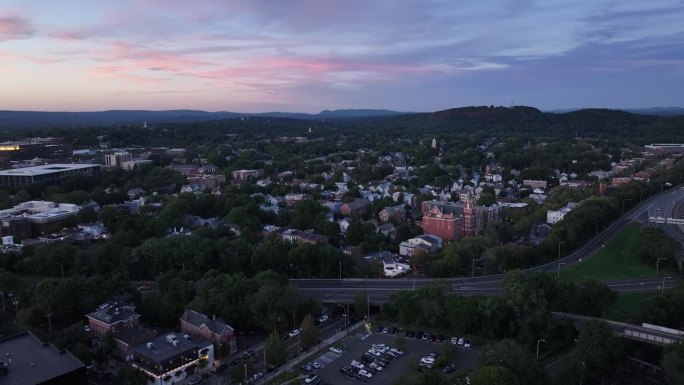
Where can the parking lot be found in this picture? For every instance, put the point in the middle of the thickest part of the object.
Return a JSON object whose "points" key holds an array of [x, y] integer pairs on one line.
{"points": [[355, 346]]}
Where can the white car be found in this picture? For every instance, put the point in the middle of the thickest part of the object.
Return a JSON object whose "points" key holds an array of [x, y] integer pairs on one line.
{"points": [[365, 373], [336, 350], [461, 341], [357, 364], [316, 365], [466, 343], [293, 333], [375, 366], [396, 351], [374, 352], [427, 360], [323, 319], [454, 340], [311, 378]]}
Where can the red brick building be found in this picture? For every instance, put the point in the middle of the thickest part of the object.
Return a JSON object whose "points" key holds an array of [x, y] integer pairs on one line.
{"points": [[112, 316], [218, 332], [442, 219]]}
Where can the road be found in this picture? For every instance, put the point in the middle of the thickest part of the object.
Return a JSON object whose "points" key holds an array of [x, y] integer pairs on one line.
{"points": [[379, 290]]}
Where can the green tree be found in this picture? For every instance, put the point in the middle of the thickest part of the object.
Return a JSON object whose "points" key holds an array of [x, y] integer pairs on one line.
{"points": [[128, 375], [310, 334], [276, 350], [673, 364], [493, 375], [521, 364], [598, 349]]}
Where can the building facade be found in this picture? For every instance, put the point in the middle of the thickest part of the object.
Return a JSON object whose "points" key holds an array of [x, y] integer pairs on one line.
{"points": [[112, 316], [215, 330], [49, 174]]}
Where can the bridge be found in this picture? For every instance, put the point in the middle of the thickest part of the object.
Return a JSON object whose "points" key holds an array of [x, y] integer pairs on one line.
{"points": [[650, 334]]}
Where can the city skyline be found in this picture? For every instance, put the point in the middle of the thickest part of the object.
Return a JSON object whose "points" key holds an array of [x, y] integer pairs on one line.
{"points": [[306, 56]]}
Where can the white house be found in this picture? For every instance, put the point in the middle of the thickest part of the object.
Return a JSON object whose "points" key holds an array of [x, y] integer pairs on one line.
{"points": [[425, 243], [554, 216]]}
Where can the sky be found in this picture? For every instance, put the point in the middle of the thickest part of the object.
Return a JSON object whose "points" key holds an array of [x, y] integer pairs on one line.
{"points": [[310, 55]]}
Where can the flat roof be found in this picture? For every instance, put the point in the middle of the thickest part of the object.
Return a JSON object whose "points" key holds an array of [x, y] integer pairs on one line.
{"points": [[34, 362], [47, 169]]}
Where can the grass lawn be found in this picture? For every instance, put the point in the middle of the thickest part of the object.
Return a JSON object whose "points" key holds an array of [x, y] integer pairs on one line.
{"points": [[627, 305], [617, 260]]}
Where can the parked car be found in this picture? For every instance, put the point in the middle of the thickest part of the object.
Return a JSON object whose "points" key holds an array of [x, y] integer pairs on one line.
{"points": [[323, 319], [466, 343], [378, 329], [357, 364], [316, 365], [425, 337], [307, 368], [365, 373], [236, 361], [249, 354], [336, 350], [310, 378], [449, 368], [294, 333], [440, 338], [376, 366], [396, 351], [360, 377], [256, 376], [454, 340], [461, 341]]}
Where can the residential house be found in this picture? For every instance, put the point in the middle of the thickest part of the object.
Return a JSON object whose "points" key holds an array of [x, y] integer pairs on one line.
{"points": [[539, 232], [299, 236], [111, 317], [555, 216], [215, 330], [292, 199], [355, 207], [425, 243], [396, 213], [540, 184], [388, 230]]}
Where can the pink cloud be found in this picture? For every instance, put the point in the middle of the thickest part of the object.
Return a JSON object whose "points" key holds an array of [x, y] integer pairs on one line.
{"points": [[14, 27]]}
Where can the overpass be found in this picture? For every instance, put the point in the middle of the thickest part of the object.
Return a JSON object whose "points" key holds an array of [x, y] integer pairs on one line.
{"points": [[651, 334]]}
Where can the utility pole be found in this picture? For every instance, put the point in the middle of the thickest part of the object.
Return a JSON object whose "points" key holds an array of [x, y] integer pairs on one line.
{"points": [[472, 270], [49, 317], [623, 205], [558, 272], [559, 245], [538, 341], [340, 270]]}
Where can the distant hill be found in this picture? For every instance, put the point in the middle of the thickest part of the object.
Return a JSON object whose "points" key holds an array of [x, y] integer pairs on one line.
{"points": [[658, 111], [42, 119]]}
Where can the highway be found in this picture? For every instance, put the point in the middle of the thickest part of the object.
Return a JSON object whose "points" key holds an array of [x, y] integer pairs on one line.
{"points": [[668, 203]]}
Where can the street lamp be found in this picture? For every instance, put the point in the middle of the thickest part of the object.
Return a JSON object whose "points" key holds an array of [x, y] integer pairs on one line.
{"points": [[657, 264], [623, 205], [559, 245], [538, 341], [662, 287], [641, 194], [472, 271], [559, 265]]}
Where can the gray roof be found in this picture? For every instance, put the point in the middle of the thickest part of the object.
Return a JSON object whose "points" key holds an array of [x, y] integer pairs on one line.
{"points": [[34, 362], [162, 349], [112, 312], [199, 319]]}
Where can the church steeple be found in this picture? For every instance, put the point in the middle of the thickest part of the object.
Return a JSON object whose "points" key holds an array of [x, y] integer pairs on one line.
{"points": [[469, 215]]}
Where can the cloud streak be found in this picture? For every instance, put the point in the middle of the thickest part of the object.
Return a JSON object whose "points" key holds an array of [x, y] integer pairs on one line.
{"points": [[315, 54]]}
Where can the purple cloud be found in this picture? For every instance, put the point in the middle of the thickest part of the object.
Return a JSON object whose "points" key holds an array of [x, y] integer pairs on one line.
{"points": [[14, 27]]}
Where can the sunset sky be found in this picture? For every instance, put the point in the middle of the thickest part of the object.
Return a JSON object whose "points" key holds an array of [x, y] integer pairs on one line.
{"points": [[309, 55]]}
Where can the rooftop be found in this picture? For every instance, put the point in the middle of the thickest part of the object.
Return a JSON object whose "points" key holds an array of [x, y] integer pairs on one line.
{"points": [[34, 362], [163, 347], [46, 169], [114, 311]]}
